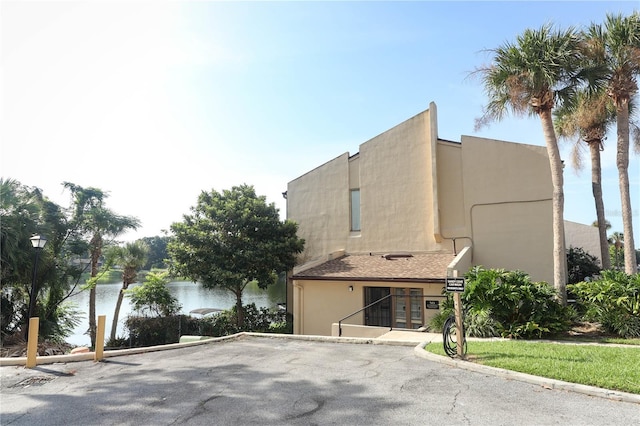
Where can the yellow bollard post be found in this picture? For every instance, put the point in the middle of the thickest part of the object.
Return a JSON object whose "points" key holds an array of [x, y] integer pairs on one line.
{"points": [[99, 353], [32, 342]]}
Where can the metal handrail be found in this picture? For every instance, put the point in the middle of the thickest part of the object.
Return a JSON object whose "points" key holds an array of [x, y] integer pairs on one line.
{"points": [[424, 296], [360, 310]]}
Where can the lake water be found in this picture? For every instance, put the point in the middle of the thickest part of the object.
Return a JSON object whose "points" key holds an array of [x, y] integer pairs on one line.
{"points": [[190, 296]]}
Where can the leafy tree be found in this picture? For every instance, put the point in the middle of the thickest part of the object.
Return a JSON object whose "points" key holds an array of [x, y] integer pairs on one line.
{"points": [[157, 252], [20, 219], [233, 238], [529, 77], [581, 265], [96, 222], [130, 257], [153, 296], [24, 212], [587, 119], [615, 46], [61, 273]]}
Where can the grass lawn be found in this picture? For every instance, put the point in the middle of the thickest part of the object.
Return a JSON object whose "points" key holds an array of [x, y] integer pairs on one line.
{"points": [[608, 367]]}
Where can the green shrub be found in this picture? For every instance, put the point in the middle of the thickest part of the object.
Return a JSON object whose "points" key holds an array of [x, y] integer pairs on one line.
{"points": [[222, 324], [153, 296], [580, 265], [508, 304], [613, 300], [255, 319], [282, 327], [57, 321], [481, 323], [436, 323], [118, 343], [477, 323], [150, 331]]}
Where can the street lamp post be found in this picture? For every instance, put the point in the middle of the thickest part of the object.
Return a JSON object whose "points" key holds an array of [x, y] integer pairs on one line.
{"points": [[38, 242]]}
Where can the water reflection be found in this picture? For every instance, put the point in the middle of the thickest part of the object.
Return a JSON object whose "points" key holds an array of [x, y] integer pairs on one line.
{"points": [[190, 296]]}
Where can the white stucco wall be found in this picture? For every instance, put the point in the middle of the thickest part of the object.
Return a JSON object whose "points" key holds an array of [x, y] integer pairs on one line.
{"points": [[319, 202], [393, 172], [395, 189], [507, 198]]}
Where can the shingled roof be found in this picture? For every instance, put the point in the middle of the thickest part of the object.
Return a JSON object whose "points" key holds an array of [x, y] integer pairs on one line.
{"points": [[424, 267]]}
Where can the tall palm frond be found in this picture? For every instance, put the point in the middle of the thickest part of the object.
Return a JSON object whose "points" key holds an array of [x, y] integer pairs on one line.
{"points": [[615, 46], [529, 78], [587, 120], [96, 221], [131, 258]]}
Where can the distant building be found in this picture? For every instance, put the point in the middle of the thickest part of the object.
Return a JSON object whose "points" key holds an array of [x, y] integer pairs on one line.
{"points": [[583, 236], [392, 220]]}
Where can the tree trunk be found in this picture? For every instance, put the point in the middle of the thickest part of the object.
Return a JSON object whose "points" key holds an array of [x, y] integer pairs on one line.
{"points": [[596, 186], [622, 161], [116, 313], [557, 180], [92, 315], [239, 311], [96, 251]]}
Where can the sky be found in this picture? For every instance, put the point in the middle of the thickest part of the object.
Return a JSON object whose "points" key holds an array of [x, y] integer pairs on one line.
{"points": [[157, 101]]}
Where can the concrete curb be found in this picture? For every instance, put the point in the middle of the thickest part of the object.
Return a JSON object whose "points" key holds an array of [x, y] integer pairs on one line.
{"points": [[544, 382], [333, 339], [87, 356]]}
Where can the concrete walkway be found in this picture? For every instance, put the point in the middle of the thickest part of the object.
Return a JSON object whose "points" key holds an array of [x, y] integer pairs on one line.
{"points": [[411, 336]]}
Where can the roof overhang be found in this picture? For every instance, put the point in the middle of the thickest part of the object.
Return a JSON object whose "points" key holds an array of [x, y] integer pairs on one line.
{"points": [[405, 267]]}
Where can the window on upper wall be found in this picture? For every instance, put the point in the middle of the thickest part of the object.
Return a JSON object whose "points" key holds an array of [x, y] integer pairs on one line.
{"points": [[355, 210]]}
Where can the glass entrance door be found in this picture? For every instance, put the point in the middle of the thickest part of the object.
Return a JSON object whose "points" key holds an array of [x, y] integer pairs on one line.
{"points": [[415, 300], [400, 308], [408, 308]]}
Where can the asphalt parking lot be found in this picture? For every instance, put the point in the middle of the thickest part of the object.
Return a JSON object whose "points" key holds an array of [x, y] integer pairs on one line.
{"points": [[262, 380]]}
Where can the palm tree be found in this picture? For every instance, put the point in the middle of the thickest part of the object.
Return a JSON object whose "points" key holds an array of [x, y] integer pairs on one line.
{"points": [[131, 257], [616, 46], [92, 218], [588, 119], [617, 242], [528, 78]]}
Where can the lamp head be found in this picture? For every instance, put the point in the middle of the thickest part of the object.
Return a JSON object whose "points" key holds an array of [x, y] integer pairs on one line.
{"points": [[38, 241]]}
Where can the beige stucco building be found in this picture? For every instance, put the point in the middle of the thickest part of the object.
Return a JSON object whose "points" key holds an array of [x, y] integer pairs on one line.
{"points": [[435, 206]]}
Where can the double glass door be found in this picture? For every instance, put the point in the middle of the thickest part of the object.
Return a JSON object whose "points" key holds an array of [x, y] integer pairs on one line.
{"points": [[402, 310], [408, 308]]}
